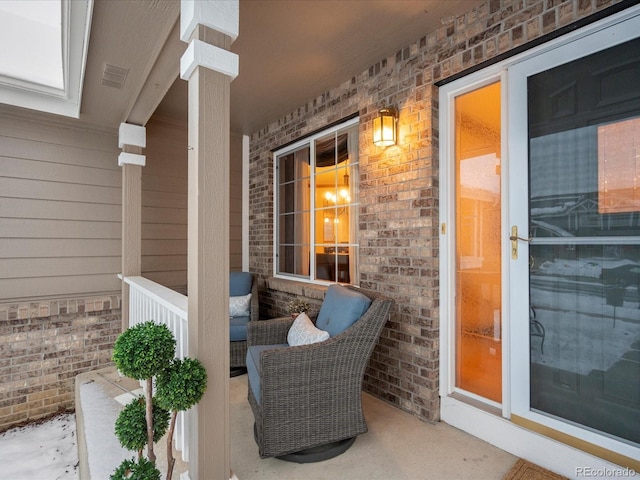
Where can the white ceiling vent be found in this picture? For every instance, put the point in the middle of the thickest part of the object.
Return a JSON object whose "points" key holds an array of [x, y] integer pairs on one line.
{"points": [[113, 76]]}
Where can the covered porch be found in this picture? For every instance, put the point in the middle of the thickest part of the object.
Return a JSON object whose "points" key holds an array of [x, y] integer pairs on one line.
{"points": [[208, 183], [386, 451], [208, 65], [205, 204]]}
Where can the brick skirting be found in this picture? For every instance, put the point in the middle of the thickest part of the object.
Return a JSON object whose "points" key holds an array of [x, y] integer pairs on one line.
{"points": [[44, 345]]}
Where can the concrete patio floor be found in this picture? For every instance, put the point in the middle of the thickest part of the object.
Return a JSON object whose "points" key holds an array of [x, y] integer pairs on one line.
{"points": [[397, 446]]}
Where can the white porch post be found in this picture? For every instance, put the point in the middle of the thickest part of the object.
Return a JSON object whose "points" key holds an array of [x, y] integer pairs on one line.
{"points": [[131, 139], [209, 27]]}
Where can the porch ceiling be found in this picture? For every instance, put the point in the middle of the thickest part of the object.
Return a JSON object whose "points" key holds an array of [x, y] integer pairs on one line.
{"points": [[290, 51]]}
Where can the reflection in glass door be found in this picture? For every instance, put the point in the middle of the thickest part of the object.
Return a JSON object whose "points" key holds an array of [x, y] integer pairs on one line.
{"points": [[584, 220], [478, 259]]}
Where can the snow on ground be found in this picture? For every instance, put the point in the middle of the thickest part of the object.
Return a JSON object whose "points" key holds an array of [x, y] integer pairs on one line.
{"points": [[100, 413], [41, 451]]}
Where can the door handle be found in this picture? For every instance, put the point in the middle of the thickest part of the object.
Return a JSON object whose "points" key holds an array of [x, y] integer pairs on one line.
{"points": [[514, 242]]}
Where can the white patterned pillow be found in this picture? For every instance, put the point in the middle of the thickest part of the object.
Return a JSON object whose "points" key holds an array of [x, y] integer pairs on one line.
{"points": [[304, 332], [240, 306]]}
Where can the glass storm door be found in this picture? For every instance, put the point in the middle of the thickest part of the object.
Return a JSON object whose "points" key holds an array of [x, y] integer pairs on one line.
{"points": [[577, 188], [478, 337]]}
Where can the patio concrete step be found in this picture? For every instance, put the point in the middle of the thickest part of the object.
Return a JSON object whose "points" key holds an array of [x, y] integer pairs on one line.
{"points": [[100, 396]]}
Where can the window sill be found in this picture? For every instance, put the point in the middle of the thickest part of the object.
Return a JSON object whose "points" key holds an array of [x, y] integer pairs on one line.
{"points": [[294, 287]]}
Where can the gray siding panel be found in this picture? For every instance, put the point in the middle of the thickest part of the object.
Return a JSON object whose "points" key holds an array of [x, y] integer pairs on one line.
{"points": [[39, 148], [32, 267], [44, 190], [163, 199], [53, 287], [42, 247], [164, 204], [37, 228], [157, 183], [175, 216], [164, 247], [175, 279], [161, 263], [60, 209], [36, 208], [58, 172], [166, 231]]}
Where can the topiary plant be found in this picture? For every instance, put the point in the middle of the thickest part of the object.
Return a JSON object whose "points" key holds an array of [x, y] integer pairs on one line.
{"points": [[179, 387], [141, 352], [144, 350], [143, 469], [131, 425]]}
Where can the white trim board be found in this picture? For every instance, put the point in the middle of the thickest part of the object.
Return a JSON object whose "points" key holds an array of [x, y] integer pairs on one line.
{"points": [[523, 443]]}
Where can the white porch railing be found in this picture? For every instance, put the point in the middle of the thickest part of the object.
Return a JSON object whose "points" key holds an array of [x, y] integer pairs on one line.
{"points": [[151, 301]]}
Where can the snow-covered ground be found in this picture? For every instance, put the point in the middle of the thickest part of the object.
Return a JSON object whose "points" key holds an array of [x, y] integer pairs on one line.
{"points": [[48, 450], [583, 332], [41, 451]]}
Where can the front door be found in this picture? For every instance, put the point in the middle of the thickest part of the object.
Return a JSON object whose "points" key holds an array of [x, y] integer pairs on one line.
{"points": [[540, 246], [577, 249]]}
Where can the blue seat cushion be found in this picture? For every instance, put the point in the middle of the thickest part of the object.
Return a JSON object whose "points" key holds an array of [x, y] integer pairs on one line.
{"points": [[340, 309], [254, 368], [239, 283], [238, 328]]}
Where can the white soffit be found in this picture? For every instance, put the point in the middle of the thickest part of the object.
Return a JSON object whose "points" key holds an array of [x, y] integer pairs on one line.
{"points": [[39, 72]]}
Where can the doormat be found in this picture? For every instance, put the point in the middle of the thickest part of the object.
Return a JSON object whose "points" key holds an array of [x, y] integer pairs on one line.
{"points": [[524, 470]]}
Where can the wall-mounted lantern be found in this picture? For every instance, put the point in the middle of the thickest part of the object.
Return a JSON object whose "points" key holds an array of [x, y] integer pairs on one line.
{"points": [[385, 127]]}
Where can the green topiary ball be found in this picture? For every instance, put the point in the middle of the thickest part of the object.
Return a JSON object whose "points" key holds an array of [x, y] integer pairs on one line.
{"points": [[131, 425], [143, 469], [182, 385], [142, 351]]}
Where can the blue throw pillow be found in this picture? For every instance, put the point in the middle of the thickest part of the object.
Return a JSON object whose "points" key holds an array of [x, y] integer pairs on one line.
{"points": [[340, 309]]}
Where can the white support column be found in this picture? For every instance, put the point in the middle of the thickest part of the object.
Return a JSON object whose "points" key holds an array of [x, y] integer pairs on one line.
{"points": [[209, 27], [131, 139], [245, 203]]}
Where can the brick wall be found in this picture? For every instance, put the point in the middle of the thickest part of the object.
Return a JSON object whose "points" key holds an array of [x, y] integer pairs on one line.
{"points": [[44, 345], [280, 291], [398, 215]]}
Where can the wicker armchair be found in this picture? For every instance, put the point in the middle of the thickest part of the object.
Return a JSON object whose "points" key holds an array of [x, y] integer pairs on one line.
{"points": [[238, 348], [309, 407]]}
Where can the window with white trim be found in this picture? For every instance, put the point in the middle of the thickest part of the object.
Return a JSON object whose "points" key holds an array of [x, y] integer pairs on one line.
{"points": [[316, 190]]}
